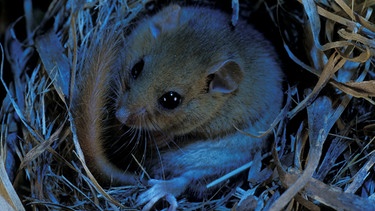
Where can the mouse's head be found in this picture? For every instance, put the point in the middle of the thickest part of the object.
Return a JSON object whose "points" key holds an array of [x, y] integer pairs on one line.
{"points": [[174, 80]]}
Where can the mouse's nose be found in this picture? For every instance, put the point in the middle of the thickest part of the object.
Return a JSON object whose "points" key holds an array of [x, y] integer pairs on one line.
{"points": [[122, 114], [129, 117]]}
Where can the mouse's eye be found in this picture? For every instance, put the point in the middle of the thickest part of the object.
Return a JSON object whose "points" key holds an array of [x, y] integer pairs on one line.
{"points": [[137, 69], [170, 100]]}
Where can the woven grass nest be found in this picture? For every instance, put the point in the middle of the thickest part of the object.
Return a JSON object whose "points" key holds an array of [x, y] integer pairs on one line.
{"points": [[323, 152]]}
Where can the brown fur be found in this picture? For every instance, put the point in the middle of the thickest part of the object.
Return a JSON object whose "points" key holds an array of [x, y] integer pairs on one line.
{"points": [[90, 97], [182, 48]]}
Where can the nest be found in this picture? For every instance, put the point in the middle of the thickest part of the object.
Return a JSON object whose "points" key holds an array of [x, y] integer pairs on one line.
{"points": [[323, 152]]}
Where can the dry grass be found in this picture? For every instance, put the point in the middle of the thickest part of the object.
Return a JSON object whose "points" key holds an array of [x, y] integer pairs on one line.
{"points": [[324, 151]]}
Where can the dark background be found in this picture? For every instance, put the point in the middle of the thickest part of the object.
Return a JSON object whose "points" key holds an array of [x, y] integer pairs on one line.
{"points": [[10, 11]]}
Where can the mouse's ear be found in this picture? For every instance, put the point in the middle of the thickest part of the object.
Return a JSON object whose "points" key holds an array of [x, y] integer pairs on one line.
{"points": [[166, 20], [226, 77]]}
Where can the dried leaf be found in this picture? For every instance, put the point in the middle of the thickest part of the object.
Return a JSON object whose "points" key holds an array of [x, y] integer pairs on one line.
{"points": [[42, 147], [314, 21], [369, 130], [345, 7], [335, 62], [333, 197], [362, 89], [55, 61], [255, 168], [8, 196], [361, 175], [236, 11]]}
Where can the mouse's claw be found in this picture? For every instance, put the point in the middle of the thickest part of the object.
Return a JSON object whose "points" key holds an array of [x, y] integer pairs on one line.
{"points": [[170, 199], [167, 189]]}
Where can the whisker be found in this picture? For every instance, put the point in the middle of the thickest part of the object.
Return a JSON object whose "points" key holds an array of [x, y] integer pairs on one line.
{"points": [[128, 133], [144, 141]]}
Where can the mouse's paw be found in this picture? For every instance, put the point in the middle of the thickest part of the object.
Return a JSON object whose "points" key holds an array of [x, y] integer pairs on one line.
{"points": [[168, 189]]}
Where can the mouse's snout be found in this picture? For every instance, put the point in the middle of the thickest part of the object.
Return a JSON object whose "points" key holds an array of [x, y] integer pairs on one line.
{"points": [[131, 119], [122, 114]]}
